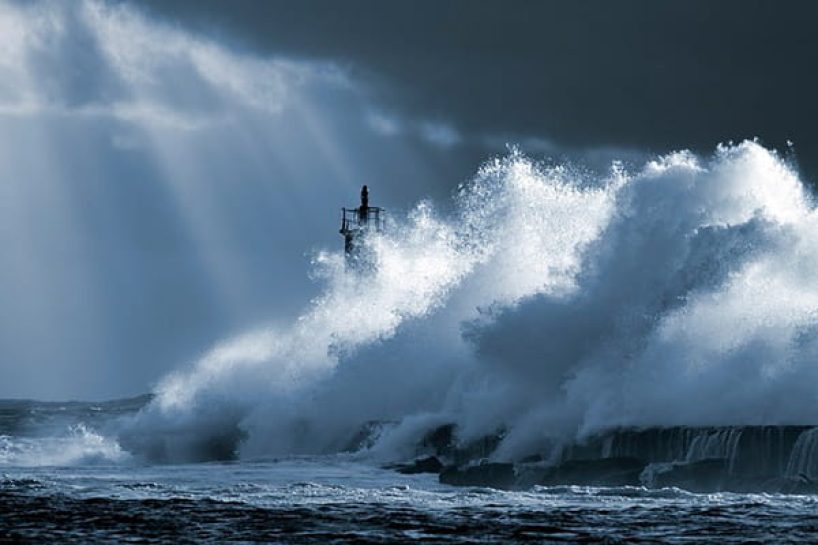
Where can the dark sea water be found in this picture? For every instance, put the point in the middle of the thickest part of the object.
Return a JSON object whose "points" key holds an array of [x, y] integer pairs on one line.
{"points": [[64, 480]]}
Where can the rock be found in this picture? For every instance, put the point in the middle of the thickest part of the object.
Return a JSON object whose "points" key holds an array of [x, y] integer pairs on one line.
{"points": [[439, 440], [703, 476], [753, 451], [430, 464], [366, 436], [221, 443], [478, 449], [700, 459], [600, 472], [530, 474], [792, 485], [492, 475], [532, 459]]}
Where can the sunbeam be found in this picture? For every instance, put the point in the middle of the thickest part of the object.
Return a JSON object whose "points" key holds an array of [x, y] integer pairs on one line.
{"points": [[217, 161]]}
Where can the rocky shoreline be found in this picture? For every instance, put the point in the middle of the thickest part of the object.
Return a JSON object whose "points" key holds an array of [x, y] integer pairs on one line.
{"points": [[772, 459]]}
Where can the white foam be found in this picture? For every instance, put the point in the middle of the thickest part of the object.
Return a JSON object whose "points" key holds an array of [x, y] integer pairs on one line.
{"points": [[79, 445]]}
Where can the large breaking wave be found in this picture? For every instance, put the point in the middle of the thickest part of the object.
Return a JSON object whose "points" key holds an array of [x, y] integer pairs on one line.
{"points": [[550, 303]]}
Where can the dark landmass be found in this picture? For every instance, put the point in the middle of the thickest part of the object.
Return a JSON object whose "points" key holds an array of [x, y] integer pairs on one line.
{"points": [[781, 459]]}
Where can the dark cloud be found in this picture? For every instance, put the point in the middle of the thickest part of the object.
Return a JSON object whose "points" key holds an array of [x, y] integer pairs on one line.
{"points": [[652, 75]]}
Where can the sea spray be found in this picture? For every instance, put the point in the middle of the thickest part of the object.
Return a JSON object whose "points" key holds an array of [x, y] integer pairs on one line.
{"points": [[550, 303], [76, 445], [263, 377], [273, 369]]}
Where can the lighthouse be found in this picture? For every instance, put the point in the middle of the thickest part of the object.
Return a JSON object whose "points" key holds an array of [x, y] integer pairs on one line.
{"points": [[356, 223]]}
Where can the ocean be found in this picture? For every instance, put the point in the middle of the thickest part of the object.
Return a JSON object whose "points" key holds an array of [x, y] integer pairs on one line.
{"points": [[62, 480]]}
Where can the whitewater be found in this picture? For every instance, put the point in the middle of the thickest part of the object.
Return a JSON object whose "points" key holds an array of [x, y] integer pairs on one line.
{"points": [[549, 305]]}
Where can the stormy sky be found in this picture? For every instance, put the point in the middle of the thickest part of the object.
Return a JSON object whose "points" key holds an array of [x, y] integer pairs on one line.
{"points": [[169, 168], [625, 74]]}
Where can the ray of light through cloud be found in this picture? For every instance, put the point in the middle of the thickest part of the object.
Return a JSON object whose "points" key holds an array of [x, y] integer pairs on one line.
{"points": [[223, 170]]}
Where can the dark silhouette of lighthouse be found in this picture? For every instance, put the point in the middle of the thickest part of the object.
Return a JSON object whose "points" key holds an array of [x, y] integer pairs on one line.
{"points": [[356, 223]]}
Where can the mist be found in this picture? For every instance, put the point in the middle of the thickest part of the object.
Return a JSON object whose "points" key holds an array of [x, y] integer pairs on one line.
{"points": [[549, 305], [161, 189]]}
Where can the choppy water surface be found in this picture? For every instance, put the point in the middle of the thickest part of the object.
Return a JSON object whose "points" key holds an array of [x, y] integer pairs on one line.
{"points": [[333, 499], [64, 478]]}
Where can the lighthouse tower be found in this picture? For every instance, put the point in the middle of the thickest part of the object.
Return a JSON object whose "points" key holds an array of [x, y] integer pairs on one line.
{"points": [[356, 223]]}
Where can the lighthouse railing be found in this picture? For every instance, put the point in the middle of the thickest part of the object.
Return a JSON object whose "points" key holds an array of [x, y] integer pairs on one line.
{"points": [[352, 219]]}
